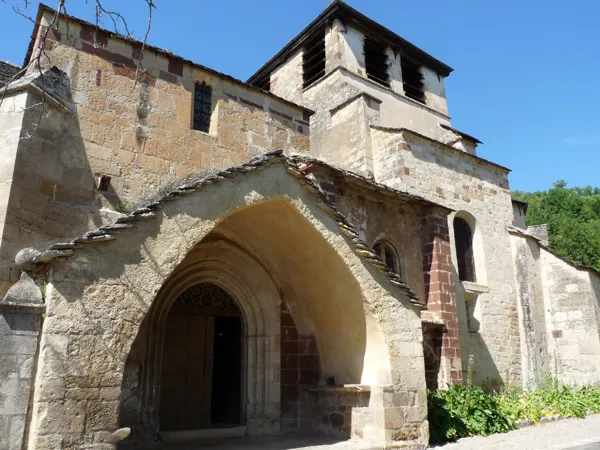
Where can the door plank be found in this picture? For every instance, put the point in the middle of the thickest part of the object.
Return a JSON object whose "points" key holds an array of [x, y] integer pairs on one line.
{"points": [[208, 370]]}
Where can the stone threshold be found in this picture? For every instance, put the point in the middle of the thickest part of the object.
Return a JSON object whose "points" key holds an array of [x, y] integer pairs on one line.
{"points": [[343, 388]]}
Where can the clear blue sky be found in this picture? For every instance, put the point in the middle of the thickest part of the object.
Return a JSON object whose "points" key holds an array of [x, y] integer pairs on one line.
{"points": [[526, 79]]}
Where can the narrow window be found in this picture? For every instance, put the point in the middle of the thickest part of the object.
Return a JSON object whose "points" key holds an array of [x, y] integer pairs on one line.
{"points": [[463, 237], [389, 256], [412, 79], [313, 59], [376, 61], [202, 107]]}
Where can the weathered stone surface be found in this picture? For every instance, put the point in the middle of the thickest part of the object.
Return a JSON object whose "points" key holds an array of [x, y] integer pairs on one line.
{"points": [[24, 291]]}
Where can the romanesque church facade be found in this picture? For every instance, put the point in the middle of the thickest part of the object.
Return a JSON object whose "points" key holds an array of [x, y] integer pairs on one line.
{"points": [[184, 253]]}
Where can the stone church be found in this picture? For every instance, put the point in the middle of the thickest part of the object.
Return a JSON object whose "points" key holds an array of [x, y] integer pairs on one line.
{"points": [[184, 254]]}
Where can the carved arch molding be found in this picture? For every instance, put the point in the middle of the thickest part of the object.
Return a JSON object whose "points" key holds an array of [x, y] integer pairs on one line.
{"points": [[219, 275]]}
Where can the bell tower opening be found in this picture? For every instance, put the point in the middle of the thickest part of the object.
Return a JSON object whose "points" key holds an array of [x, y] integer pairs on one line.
{"points": [[201, 385]]}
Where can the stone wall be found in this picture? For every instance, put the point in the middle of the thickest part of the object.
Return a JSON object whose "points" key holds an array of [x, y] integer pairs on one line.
{"points": [[12, 110], [572, 303], [377, 216], [137, 133], [478, 190], [559, 315], [86, 339], [300, 371]]}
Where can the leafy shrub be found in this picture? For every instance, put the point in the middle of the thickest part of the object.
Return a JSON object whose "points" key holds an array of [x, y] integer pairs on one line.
{"points": [[469, 411], [462, 411]]}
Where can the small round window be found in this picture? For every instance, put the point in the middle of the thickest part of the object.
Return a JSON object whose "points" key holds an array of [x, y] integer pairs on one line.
{"points": [[388, 255]]}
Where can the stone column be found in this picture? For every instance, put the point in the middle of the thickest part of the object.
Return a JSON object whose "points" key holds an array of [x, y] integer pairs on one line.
{"points": [[20, 325], [440, 294]]}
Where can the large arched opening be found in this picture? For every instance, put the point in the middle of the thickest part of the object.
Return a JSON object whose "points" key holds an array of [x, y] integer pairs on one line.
{"points": [[317, 319]]}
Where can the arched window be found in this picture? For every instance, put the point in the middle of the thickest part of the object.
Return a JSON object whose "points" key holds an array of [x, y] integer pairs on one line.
{"points": [[463, 237], [388, 255]]}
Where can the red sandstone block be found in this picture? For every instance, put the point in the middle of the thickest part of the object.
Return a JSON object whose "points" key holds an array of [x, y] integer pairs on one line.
{"points": [[136, 51], [176, 66], [53, 34], [98, 51], [130, 72], [97, 36]]}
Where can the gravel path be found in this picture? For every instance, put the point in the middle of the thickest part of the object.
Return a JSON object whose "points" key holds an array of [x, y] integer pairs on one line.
{"points": [[575, 434]]}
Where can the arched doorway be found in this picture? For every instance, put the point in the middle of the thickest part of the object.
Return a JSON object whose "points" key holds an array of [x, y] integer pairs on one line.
{"points": [[201, 380]]}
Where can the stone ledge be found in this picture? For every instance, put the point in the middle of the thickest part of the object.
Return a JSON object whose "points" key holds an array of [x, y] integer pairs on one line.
{"points": [[342, 388], [22, 308], [475, 288]]}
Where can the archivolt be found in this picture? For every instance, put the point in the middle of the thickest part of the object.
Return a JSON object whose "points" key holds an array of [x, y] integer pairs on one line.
{"points": [[225, 265]]}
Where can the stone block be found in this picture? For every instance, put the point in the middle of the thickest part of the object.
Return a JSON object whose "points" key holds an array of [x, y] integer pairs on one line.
{"points": [[102, 415], [60, 417]]}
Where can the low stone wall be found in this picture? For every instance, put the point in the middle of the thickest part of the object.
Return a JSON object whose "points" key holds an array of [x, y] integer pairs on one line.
{"points": [[335, 410]]}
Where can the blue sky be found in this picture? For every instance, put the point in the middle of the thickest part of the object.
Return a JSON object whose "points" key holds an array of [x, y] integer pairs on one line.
{"points": [[526, 79]]}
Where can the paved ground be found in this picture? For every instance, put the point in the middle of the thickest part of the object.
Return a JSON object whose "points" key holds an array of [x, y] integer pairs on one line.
{"points": [[572, 434], [289, 442]]}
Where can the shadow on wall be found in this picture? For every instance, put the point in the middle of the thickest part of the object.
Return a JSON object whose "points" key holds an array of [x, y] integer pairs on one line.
{"points": [[303, 269], [485, 372], [53, 196]]}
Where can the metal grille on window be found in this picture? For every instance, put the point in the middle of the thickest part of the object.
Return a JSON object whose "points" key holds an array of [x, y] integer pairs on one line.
{"points": [[313, 59], [376, 61], [412, 79], [202, 107]]}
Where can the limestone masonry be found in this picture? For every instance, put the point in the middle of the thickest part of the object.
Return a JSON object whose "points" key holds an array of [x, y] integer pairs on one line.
{"points": [[183, 254]]}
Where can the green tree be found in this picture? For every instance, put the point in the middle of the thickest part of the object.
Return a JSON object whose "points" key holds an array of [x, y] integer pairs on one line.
{"points": [[573, 218]]}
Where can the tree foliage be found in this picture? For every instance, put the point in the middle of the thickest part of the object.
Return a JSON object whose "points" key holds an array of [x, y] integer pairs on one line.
{"points": [[573, 218]]}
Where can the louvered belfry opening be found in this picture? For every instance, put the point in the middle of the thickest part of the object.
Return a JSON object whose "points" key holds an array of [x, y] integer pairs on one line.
{"points": [[313, 59], [463, 237], [412, 79], [202, 106], [376, 61]]}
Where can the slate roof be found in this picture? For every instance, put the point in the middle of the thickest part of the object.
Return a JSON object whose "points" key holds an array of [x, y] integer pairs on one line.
{"points": [[7, 71], [109, 232]]}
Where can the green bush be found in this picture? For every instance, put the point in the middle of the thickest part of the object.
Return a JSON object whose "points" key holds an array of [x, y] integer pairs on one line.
{"points": [[469, 411], [462, 411]]}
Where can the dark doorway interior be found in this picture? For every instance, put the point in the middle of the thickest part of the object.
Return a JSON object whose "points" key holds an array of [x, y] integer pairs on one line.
{"points": [[202, 362], [226, 382]]}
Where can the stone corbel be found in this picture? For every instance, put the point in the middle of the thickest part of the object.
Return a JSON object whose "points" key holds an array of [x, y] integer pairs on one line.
{"points": [[24, 297]]}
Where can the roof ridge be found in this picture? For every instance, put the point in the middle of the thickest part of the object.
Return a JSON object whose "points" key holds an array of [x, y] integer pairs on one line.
{"points": [[43, 7], [29, 258]]}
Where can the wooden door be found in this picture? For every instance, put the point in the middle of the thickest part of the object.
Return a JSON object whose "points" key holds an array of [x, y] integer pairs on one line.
{"points": [[187, 368]]}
